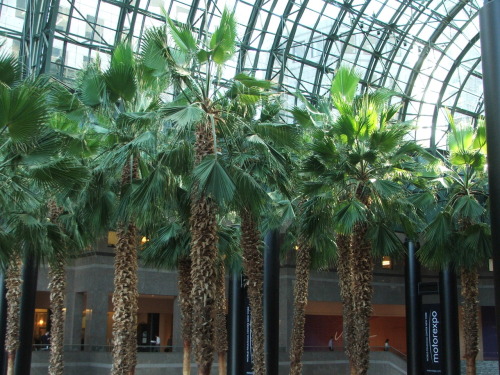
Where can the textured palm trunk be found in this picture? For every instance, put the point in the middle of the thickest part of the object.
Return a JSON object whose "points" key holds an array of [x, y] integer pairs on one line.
{"points": [[186, 359], [361, 292], [125, 302], [125, 294], [13, 283], [253, 267], [185, 286], [345, 274], [300, 302], [470, 322], [57, 287], [220, 332], [203, 226]]}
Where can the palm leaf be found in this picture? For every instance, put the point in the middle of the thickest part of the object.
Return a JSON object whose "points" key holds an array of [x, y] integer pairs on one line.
{"points": [[179, 159], [169, 244], [437, 240], [468, 207], [384, 240], [303, 117], [477, 246], [281, 135], [10, 70], [154, 51], [121, 82], [249, 81], [91, 86], [223, 41], [344, 85], [183, 116], [213, 180], [387, 188], [24, 110], [183, 37], [348, 214], [61, 174], [151, 192]]}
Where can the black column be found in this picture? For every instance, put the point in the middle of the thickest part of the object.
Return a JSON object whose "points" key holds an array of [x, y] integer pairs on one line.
{"points": [[237, 325], [449, 316], [3, 323], [271, 301], [27, 317], [413, 301], [489, 17]]}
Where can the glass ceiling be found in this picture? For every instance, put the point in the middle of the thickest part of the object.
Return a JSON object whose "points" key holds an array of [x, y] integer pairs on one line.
{"points": [[428, 50]]}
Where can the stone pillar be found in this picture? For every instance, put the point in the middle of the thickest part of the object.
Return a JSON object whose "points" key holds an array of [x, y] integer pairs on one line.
{"points": [[96, 313], [73, 321]]}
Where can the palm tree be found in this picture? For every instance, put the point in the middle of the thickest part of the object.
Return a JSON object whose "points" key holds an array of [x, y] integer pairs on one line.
{"points": [[459, 234], [194, 66], [168, 248], [33, 164], [315, 249], [361, 158], [254, 155], [120, 103]]}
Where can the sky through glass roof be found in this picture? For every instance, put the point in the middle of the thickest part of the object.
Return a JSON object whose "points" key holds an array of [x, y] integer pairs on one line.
{"points": [[426, 50]]}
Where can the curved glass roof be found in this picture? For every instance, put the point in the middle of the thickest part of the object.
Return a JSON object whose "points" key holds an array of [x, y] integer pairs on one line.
{"points": [[428, 50]]}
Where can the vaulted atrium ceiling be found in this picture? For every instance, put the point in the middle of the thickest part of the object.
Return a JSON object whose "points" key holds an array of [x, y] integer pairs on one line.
{"points": [[428, 50]]}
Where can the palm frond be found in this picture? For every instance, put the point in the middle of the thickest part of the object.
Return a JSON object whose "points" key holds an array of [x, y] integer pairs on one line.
{"points": [[10, 70], [150, 194], [121, 82], [183, 37], [348, 214], [213, 180], [166, 246], [384, 240], [387, 188], [223, 41], [24, 110], [91, 86], [437, 240], [280, 135], [467, 207], [344, 85], [154, 50], [249, 81], [62, 175], [183, 116]]}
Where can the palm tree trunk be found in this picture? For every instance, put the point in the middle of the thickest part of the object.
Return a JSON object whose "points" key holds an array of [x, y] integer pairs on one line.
{"points": [[300, 302], [125, 302], [362, 275], [344, 274], [13, 283], [203, 254], [470, 322], [253, 267], [204, 240], [186, 360], [57, 287], [185, 286], [220, 330], [125, 294]]}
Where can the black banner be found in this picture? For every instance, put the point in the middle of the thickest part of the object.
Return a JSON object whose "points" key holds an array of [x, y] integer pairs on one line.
{"points": [[433, 343], [248, 365]]}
